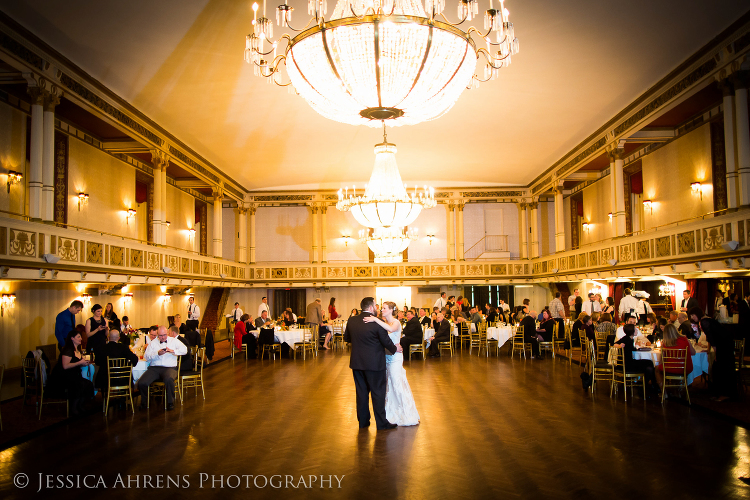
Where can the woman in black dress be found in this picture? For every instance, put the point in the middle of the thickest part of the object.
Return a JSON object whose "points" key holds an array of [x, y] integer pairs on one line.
{"points": [[546, 326], [113, 322], [67, 376], [578, 306], [96, 330]]}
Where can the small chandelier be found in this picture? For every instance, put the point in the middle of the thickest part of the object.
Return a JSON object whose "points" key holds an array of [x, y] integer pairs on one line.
{"points": [[386, 201], [388, 244], [377, 60]]}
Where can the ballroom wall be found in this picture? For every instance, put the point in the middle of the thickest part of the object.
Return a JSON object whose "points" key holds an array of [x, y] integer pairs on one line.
{"points": [[491, 218], [12, 157], [338, 225], [596, 208], [433, 221], [283, 234]]}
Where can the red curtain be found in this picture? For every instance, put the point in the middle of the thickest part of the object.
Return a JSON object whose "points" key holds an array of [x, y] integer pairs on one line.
{"points": [[617, 294], [141, 192], [636, 183], [699, 291]]}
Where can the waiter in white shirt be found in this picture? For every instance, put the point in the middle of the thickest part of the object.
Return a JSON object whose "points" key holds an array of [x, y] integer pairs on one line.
{"points": [[161, 355], [264, 307], [591, 306], [628, 305], [236, 313], [441, 302], [194, 315]]}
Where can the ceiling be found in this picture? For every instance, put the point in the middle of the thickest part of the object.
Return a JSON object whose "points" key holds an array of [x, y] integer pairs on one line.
{"points": [[180, 62]]}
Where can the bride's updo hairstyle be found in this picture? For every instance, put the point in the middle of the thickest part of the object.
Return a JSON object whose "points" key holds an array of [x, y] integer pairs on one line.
{"points": [[391, 305]]}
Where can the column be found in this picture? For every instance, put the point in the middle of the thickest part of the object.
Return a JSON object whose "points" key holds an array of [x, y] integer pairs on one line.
{"points": [[730, 157], [323, 227], [242, 257], [612, 193], [36, 152], [743, 136], [218, 193], [523, 230], [460, 230], [314, 212], [534, 228], [618, 216], [48, 156], [559, 219], [451, 241], [165, 216], [251, 259], [158, 161]]}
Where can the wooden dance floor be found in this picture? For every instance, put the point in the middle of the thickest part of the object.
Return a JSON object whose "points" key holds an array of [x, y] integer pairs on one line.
{"points": [[491, 428]]}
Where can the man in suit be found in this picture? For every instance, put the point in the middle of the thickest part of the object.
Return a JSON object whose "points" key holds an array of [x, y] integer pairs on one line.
{"points": [[687, 302], [314, 314], [412, 333], [529, 332], [112, 349], [367, 361], [194, 314], [442, 334], [261, 322], [423, 318], [186, 364]]}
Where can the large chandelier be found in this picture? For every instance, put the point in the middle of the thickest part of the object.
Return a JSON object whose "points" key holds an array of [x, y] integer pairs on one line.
{"points": [[386, 201], [388, 243], [376, 60]]}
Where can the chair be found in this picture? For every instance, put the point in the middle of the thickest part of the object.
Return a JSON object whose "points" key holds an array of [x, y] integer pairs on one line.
{"points": [[557, 342], [519, 343], [545, 345], [195, 378], [49, 350], [119, 382], [418, 348], [306, 344], [40, 393], [159, 389], [265, 338], [464, 333], [739, 351], [448, 344], [599, 369], [601, 345], [29, 377], [581, 349], [675, 360], [478, 339], [338, 336], [315, 332], [620, 376], [490, 342]]}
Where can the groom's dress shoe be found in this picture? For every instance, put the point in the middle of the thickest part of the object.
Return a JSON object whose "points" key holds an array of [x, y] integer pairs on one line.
{"points": [[388, 427], [363, 426]]}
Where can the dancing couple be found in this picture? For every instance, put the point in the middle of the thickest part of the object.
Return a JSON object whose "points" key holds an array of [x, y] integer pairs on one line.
{"points": [[377, 373]]}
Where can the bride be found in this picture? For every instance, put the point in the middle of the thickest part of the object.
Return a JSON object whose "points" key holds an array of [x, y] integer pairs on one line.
{"points": [[399, 403]]}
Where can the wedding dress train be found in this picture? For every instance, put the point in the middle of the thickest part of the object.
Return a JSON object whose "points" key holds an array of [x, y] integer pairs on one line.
{"points": [[399, 402]]}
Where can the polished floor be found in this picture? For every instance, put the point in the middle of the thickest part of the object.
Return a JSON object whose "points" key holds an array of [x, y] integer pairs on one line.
{"points": [[491, 428]]}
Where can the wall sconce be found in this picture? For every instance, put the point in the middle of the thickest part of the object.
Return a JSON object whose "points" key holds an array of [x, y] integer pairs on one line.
{"points": [[586, 227], [610, 216], [130, 213], [14, 178], [430, 238], [167, 298], [83, 199], [7, 301], [128, 297], [697, 188], [648, 205], [86, 299], [347, 239], [167, 223]]}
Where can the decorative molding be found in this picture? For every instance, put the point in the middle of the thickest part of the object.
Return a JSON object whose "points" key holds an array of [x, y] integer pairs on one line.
{"points": [[21, 52], [192, 163], [713, 237], [285, 197], [491, 194], [686, 242]]}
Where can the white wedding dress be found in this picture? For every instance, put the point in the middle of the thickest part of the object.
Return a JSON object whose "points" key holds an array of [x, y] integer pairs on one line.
{"points": [[399, 403]]}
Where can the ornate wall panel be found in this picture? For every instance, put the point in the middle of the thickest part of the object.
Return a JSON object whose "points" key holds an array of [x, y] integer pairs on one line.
{"points": [[440, 270], [582, 260], [116, 256], [154, 261], [498, 269], [136, 259], [173, 262], [643, 250], [388, 271], [663, 248], [61, 178], [336, 272], [518, 269], [474, 270], [22, 243], [259, 274], [67, 249], [185, 265], [207, 268], [94, 253], [216, 269], [413, 271], [626, 253], [593, 258], [362, 272], [686, 242], [302, 273], [607, 255], [196, 266], [278, 273], [713, 237]]}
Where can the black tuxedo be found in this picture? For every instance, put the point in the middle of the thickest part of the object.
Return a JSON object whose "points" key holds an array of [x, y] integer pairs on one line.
{"points": [[367, 362], [193, 338], [111, 350], [412, 335], [187, 359], [425, 320], [442, 334], [691, 302]]}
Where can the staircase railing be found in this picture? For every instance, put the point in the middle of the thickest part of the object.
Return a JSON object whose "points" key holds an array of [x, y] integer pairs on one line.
{"points": [[488, 243]]}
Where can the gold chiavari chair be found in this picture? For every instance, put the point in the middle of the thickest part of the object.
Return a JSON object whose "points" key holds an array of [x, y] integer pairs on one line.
{"points": [[491, 343], [418, 349], [464, 334], [557, 341], [447, 345], [338, 336], [315, 335], [158, 389], [582, 340], [620, 376], [675, 360], [119, 382], [601, 345], [305, 345], [548, 345], [194, 378], [478, 340], [29, 377], [599, 369], [40, 393], [518, 343]]}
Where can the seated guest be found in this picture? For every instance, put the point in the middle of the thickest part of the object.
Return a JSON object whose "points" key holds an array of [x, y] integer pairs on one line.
{"points": [[288, 318], [587, 325], [434, 321], [681, 318], [658, 331], [691, 326], [354, 312], [546, 325], [492, 315], [442, 334], [630, 319], [161, 355], [607, 328], [412, 333], [595, 318], [476, 317], [67, 376], [187, 360], [673, 319], [249, 339], [673, 339], [181, 327], [239, 331], [112, 349], [577, 325], [529, 331], [143, 342], [423, 318], [263, 321], [627, 343]]}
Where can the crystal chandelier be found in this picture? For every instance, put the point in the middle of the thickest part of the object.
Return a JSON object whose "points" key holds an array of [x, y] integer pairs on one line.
{"points": [[377, 60], [386, 201], [388, 243]]}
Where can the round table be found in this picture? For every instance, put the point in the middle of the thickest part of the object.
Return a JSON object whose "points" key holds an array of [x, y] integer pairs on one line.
{"points": [[700, 361], [501, 334]]}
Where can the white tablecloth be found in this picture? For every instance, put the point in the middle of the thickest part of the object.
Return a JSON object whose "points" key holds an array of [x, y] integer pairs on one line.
{"points": [[502, 335], [290, 336], [700, 361], [139, 370]]}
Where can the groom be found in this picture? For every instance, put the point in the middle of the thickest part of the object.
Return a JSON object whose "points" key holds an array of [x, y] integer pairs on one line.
{"points": [[367, 362]]}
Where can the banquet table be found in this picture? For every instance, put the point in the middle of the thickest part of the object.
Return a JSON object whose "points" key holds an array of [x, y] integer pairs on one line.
{"points": [[501, 334], [700, 360], [139, 370], [291, 336]]}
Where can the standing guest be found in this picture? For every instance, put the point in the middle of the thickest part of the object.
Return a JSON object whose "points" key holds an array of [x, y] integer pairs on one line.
{"points": [[591, 305], [632, 365], [412, 333], [572, 298], [314, 314], [127, 331], [733, 305], [442, 334], [578, 306], [465, 307], [332, 314], [113, 349], [607, 328], [718, 300], [161, 355], [96, 330], [628, 305], [182, 327], [556, 309], [724, 316], [691, 328], [743, 308], [442, 301], [451, 302], [239, 331], [65, 322], [502, 305], [687, 302], [423, 318], [529, 332], [194, 315], [113, 323], [236, 313], [66, 375], [264, 307], [609, 307], [642, 309], [354, 312], [526, 305]]}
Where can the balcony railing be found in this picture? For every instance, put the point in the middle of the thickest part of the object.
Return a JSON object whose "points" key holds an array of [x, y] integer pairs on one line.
{"points": [[488, 244]]}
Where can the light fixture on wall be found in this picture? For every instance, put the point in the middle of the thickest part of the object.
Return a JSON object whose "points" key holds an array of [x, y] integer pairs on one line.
{"points": [[86, 299], [666, 290], [83, 199], [7, 301], [430, 238], [130, 213], [586, 227], [347, 239], [167, 298], [129, 297], [14, 178], [697, 188], [167, 223], [648, 205], [610, 216]]}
